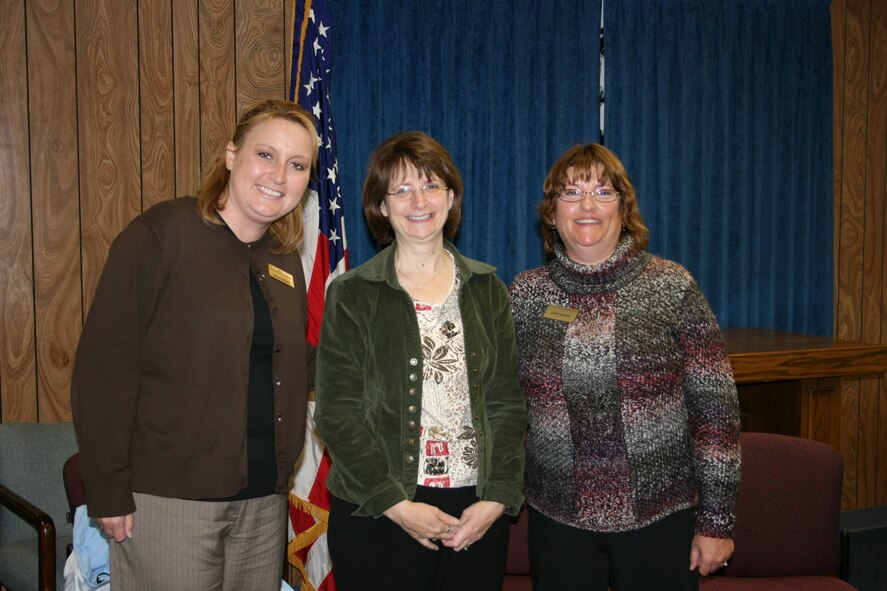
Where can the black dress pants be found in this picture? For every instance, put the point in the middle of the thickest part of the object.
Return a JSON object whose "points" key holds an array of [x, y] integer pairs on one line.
{"points": [[375, 553], [652, 558]]}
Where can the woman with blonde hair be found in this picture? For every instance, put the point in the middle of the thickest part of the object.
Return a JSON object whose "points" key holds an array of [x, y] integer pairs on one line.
{"points": [[191, 378]]}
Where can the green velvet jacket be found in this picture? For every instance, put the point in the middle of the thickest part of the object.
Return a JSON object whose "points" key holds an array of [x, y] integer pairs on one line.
{"points": [[369, 385]]}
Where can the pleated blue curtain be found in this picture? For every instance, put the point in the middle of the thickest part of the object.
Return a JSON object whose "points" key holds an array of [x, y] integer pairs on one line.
{"points": [[505, 85], [722, 114]]}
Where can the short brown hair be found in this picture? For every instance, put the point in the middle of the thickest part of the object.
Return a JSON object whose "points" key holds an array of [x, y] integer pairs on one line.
{"points": [[408, 148], [587, 161], [287, 232]]}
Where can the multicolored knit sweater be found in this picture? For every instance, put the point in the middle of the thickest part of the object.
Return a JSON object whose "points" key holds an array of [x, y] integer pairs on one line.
{"points": [[632, 404]]}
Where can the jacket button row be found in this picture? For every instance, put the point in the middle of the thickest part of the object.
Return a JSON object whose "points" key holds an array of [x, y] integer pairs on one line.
{"points": [[411, 409], [277, 381], [414, 362], [413, 391], [411, 424], [411, 442], [410, 459], [261, 277], [413, 377]]}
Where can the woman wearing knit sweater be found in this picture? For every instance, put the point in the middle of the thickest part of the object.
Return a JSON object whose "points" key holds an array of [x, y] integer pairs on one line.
{"points": [[632, 453]]}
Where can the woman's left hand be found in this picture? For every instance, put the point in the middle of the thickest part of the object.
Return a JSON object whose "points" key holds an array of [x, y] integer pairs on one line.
{"points": [[474, 523], [709, 554]]}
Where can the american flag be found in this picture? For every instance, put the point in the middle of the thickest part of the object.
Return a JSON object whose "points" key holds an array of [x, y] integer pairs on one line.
{"points": [[324, 255]]}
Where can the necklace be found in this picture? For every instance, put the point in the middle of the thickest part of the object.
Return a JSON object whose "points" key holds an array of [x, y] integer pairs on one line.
{"points": [[423, 285]]}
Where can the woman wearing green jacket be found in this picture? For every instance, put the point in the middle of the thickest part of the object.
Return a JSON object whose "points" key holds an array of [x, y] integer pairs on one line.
{"points": [[417, 393]]}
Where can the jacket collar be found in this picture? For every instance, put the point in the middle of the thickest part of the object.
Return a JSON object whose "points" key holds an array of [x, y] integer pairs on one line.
{"points": [[381, 266]]}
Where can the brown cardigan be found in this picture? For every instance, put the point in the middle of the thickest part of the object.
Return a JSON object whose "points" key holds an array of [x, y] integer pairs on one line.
{"points": [[159, 393]]}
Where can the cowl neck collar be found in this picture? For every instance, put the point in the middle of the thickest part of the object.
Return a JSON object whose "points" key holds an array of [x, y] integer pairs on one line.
{"points": [[616, 271]]}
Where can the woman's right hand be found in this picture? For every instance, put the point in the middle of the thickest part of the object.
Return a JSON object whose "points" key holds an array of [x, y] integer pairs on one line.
{"points": [[116, 528], [423, 522]]}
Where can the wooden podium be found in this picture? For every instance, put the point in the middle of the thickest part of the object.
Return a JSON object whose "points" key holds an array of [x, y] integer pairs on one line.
{"points": [[817, 388]]}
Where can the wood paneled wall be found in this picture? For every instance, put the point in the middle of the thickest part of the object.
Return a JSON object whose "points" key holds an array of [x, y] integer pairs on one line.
{"points": [[107, 108], [859, 32], [110, 106]]}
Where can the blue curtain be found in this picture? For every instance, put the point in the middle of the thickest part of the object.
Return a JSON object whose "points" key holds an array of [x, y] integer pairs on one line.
{"points": [[505, 85], [722, 114]]}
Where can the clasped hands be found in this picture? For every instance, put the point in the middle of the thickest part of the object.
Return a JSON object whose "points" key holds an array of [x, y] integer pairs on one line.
{"points": [[427, 524]]}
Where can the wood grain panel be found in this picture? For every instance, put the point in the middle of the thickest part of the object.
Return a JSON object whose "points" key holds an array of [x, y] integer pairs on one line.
{"points": [[849, 270], [867, 458], [878, 161], [55, 203], [217, 91], [186, 85], [18, 387], [873, 304], [849, 442], [289, 8], [853, 177], [821, 410], [156, 102], [108, 115], [260, 51]]}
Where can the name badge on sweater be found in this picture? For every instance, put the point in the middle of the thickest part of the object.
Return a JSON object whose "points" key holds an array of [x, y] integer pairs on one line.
{"points": [[281, 275], [560, 313]]}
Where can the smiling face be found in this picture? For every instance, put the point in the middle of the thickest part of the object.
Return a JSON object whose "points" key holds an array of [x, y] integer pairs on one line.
{"points": [[590, 230], [419, 216], [270, 171]]}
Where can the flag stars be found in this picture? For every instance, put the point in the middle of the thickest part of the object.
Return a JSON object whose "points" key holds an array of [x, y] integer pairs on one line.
{"points": [[334, 237], [316, 46], [321, 30], [316, 109], [331, 174], [310, 86], [334, 205]]}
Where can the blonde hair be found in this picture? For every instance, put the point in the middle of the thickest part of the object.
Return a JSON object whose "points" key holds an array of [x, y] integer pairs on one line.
{"points": [[286, 232]]}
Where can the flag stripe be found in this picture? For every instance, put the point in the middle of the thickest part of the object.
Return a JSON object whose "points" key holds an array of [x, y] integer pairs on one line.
{"points": [[324, 255]]}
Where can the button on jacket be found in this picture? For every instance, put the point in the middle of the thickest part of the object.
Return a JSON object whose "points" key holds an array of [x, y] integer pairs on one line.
{"points": [[369, 385], [160, 384]]}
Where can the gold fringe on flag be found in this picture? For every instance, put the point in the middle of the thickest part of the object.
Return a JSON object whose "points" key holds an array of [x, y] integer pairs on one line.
{"points": [[306, 538]]}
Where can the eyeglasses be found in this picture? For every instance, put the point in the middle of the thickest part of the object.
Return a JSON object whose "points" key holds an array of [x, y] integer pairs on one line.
{"points": [[602, 195], [406, 191]]}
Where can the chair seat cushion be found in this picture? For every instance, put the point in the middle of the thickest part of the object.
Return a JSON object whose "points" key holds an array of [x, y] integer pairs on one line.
{"points": [[517, 583], [816, 583], [18, 563]]}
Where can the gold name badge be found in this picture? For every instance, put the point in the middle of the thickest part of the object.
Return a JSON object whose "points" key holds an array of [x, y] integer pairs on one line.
{"points": [[560, 313], [281, 275]]}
